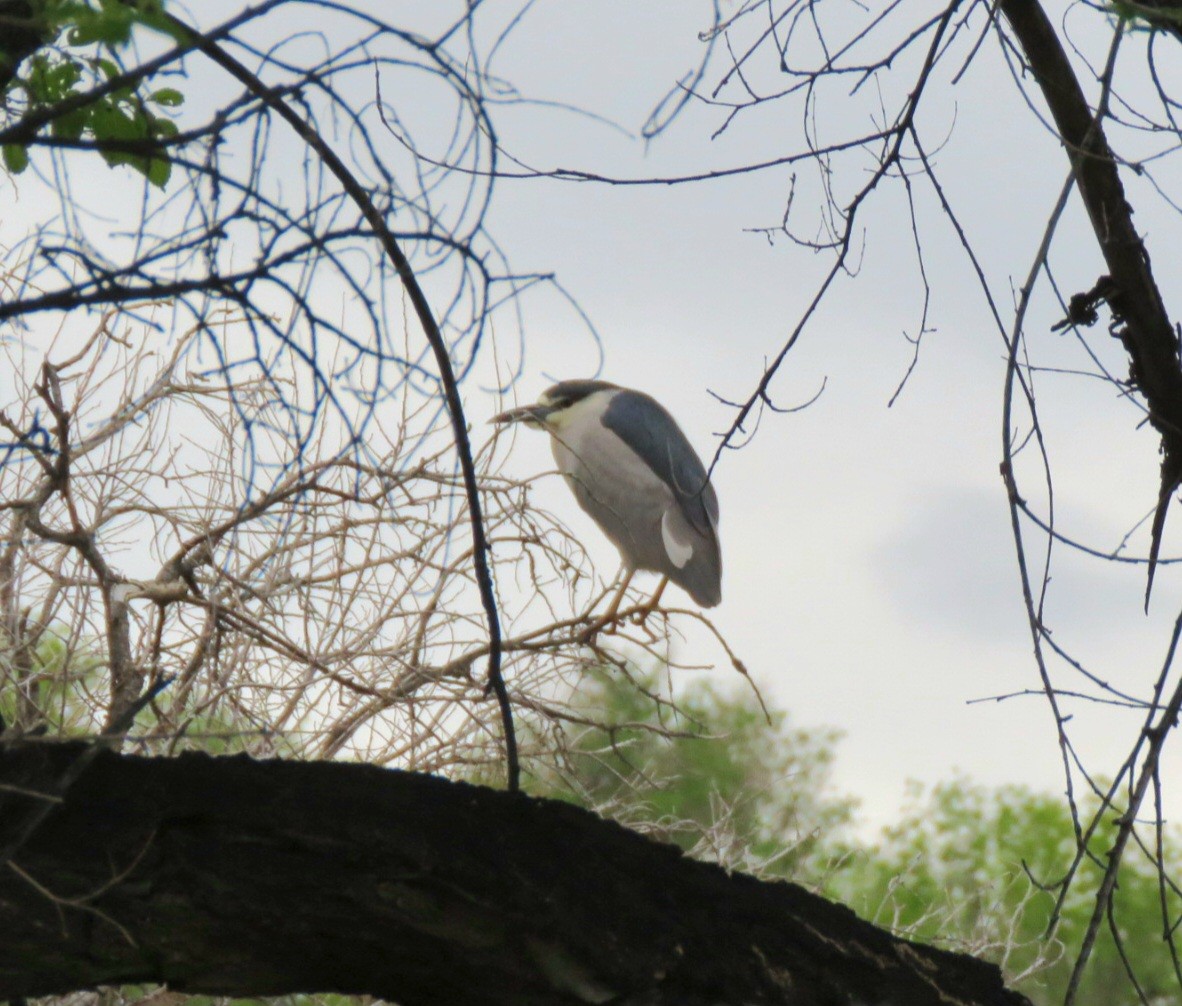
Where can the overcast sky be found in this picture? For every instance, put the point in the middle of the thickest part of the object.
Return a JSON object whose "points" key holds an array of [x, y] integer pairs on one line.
{"points": [[869, 580]]}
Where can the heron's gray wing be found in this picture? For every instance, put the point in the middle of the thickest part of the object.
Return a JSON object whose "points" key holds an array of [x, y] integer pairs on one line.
{"points": [[645, 426]]}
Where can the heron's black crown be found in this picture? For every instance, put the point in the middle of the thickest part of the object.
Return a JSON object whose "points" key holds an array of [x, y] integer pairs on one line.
{"points": [[565, 393]]}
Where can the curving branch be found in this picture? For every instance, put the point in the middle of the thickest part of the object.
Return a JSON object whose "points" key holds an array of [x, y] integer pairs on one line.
{"points": [[187, 242], [447, 378]]}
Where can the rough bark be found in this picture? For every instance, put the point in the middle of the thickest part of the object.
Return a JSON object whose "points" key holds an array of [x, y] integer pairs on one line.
{"points": [[242, 877]]}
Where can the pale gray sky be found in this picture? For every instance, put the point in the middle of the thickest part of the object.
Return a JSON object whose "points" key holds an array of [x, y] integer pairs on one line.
{"points": [[870, 581]]}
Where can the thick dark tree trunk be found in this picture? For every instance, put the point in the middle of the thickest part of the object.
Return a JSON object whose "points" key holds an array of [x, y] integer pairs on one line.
{"points": [[242, 877]]}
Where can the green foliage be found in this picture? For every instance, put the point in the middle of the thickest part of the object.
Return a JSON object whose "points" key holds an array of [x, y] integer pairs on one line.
{"points": [[976, 868], [1147, 14], [16, 157], [202, 725], [59, 678], [964, 866], [88, 38], [110, 23], [61, 693], [711, 774], [132, 995]]}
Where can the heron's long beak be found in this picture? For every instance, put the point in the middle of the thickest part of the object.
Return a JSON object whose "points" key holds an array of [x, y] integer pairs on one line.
{"points": [[532, 415]]}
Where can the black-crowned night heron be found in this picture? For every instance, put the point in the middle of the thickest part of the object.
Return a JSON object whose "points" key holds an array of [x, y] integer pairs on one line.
{"points": [[633, 470]]}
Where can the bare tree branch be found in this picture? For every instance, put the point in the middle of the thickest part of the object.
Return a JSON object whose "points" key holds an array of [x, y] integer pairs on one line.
{"points": [[1136, 301]]}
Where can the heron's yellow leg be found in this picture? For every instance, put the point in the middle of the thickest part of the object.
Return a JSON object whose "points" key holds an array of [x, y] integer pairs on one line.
{"points": [[607, 621], [656, 598], [614, 607], [650, 605]]}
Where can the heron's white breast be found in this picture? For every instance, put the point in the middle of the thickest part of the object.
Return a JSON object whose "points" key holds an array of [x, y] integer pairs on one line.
{"points": [[577, 432], [604, 471]]}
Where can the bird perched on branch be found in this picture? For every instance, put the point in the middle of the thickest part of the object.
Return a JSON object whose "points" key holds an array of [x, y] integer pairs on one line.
{"points": [[633, 470]]}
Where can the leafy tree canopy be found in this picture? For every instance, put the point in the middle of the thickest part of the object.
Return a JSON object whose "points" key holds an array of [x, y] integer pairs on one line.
{"points": [[79, 46], [965, 865]]}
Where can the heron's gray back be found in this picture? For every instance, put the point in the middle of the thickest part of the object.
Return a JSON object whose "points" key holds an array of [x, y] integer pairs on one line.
{"points": [[647, 490], [645, 425]]}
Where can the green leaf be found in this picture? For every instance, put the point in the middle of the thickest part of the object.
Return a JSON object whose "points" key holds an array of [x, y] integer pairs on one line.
{"points": [[16, 157], [159, 171], [127, 114], [110, 122], [170, 97], [109, 30], [71, 125]]}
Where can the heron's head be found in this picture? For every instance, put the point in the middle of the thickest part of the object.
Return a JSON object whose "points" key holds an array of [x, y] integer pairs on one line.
{"points": [[554, 407]]}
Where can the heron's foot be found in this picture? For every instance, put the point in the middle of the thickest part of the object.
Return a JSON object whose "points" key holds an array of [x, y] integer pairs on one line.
{"points": [[641, 614], [612, 625], [609, 622], [606, 625]]}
